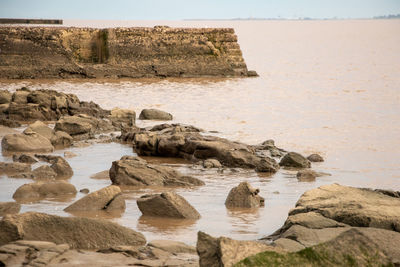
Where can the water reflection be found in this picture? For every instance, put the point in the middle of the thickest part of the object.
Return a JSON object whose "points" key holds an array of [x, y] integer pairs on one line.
{"points": [[164, 225]]}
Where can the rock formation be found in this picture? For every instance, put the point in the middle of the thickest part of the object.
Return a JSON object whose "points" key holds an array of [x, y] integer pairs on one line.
{"points": [[53, 52]]}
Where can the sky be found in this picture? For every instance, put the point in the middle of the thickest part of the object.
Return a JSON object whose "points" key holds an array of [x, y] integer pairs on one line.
{"points": [[198, 9]]}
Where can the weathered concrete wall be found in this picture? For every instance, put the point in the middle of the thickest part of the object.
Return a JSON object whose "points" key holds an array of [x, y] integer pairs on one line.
{"points": [[50, 52]]}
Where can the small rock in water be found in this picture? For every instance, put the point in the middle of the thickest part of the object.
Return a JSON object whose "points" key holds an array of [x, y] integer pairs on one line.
{"points": [[315, 158], [293, 159], [84, 191], [306, 175], [211, 163], [155, 114], [69, 154]]}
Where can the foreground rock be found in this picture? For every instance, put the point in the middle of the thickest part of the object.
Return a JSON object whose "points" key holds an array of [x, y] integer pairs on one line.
{"points": [[155, 114], [324, 213], [44, 105], [108, 199], [224, 251], [82, 233], [244, 196], [167, 204], [42, 253], [353, 247], [293, 159], [189, 144], [40, 190], [26, 142], [136, 171], [9, 208]]}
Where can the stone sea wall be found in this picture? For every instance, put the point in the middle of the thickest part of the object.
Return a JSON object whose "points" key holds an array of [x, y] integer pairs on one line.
{"points": [[60, 52]]}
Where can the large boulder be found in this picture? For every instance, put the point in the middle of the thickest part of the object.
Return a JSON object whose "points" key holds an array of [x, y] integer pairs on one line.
{"points": [[244, 196], [77, 232], [28, 142], [154, 114], [9, 208], [167, 204], [223, 251], [296, 160], [136, 171], [14, 167], [108, 199], [324, 213]]}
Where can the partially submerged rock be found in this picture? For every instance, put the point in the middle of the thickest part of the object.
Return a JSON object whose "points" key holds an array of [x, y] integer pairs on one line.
{"points": [[9, 208], [107, 199], [155, 114], [39, 190], [77, 232], [211, 163], [224, 251], [315, 158], [244, 196], [24, 158], [293, 159], [306, 175], [136, 171], [26, 142], [167, 204], [60, 166]]}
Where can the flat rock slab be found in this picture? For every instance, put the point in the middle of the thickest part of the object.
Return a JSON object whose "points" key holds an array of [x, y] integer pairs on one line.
{"points": [[167, 204], [137, 172], [83, 233], [26, 143], [40, 190]]}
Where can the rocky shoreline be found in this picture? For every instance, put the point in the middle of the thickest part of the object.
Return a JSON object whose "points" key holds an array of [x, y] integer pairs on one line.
{"points": [[331, 225]]}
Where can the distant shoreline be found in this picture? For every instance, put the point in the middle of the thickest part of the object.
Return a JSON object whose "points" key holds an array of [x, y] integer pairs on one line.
{"points": [[30, 21]]}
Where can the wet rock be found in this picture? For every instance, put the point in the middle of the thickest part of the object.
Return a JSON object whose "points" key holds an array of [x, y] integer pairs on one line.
{"points": [[244, 196], [9, 208], [102, 199], [69, 154], [167, 204], [315, 158], [44, 172], [224, 251], [58, 164], [293, 159], [135, 171], [84, 191], [123, 117], [154, 114], [77, 232], [5, 97], [28, 142], [306, 175], [211, 163], [41, 190], [174, 247], [14, 167], [82, 126], [23, 158]]}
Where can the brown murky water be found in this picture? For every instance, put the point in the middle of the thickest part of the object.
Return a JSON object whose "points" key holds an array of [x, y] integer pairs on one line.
{"points": [[331, 87]]}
